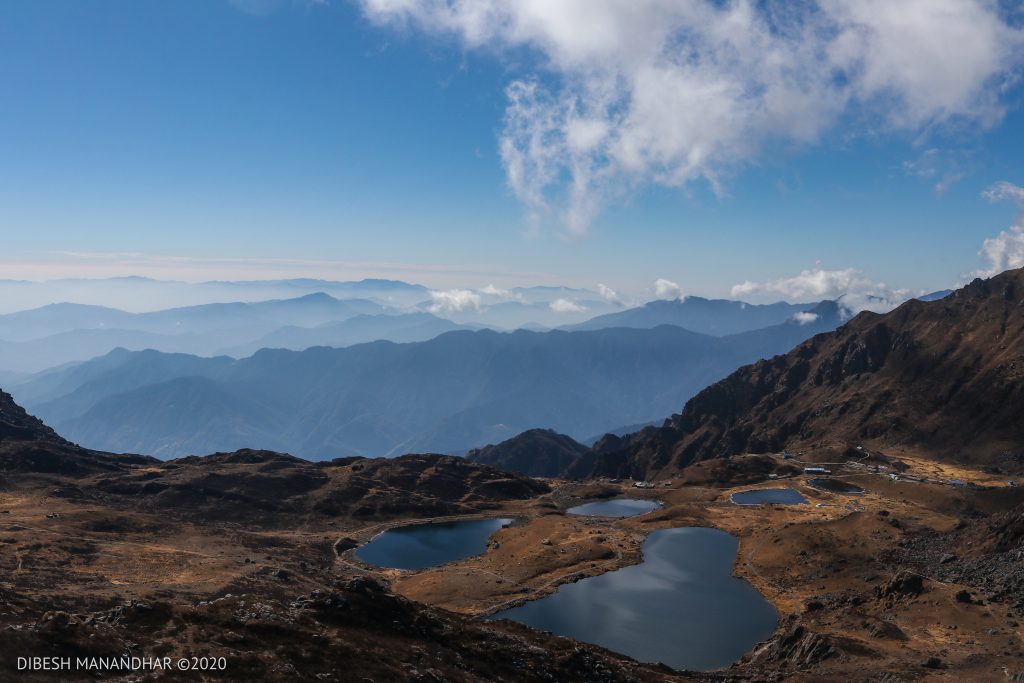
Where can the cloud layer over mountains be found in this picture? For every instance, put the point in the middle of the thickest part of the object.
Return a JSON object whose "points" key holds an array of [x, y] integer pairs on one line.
{"points": [[849, 287]]}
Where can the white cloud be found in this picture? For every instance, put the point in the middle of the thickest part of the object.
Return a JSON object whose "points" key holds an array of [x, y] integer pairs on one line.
{"points": [[1005, 250], [666, 289], [454, 301], [491, 290], [1004, 191], [805, 317], [849, 287], [499, 293], [666, 92], [566, 306], [608, 294]]}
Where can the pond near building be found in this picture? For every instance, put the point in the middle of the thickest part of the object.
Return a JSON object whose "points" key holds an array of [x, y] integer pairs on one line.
{"points": [[681, 606], [419, 546], [769, 496], [835, 485]]}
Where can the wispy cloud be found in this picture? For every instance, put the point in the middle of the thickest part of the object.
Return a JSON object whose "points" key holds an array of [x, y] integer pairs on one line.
{"points": [[942, 168], [1005, 192], [805, 317], [667, 93]]}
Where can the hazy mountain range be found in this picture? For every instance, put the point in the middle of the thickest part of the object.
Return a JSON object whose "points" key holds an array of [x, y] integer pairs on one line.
{"points": [[59, 333], [716, 317], [456, 391], [400, 328], [139, 293], [55, 334]]}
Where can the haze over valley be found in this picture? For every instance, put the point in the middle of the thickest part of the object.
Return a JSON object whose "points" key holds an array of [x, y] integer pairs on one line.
{"points": [[323, 377]]}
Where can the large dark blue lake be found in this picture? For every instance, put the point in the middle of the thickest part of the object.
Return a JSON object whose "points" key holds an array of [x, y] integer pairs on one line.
{"points": [[419, 546], [769, 496], [681, 606], [620, 507]]}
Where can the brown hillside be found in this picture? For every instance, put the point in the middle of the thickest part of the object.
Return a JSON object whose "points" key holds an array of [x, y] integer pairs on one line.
{"points": [[943, 377]]}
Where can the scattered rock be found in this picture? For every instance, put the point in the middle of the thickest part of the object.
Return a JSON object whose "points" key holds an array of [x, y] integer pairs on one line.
{"points": [[903, 585], [886, 630]]}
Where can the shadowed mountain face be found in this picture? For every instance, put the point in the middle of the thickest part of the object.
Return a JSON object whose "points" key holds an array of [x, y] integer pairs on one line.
{"points": [[28, 445], [18, 426], [449, 394], [945, 377], [537, 452]]}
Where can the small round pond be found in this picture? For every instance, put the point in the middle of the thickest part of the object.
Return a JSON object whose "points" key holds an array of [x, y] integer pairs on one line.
{"points": [[419, 546], [681, 606], [619, 507], [769, 497], [835, 486]]}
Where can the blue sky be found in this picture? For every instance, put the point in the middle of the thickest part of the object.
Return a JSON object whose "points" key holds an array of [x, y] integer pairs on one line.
{"points": [[199, 139]]}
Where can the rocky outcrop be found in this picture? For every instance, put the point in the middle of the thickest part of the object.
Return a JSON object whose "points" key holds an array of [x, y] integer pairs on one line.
{"points": [[797, 648], [903, 585]]}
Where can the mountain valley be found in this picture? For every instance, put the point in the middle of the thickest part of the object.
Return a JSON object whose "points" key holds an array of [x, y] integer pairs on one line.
{"points": [[909, 549]]}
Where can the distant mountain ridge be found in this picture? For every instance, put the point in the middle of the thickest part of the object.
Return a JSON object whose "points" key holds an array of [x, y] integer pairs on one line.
{"points": [[310, 309], [359, 329], [33, 340], [449, 394], [717, 317], [137, 293], [55, 334]]}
